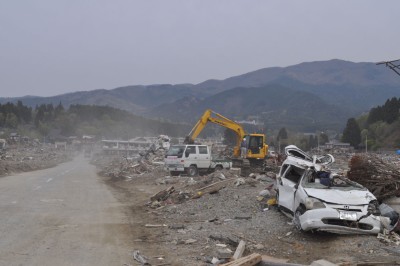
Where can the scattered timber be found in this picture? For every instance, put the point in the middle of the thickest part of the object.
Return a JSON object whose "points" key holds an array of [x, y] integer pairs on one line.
{"points": [[382, 179], [249, 260]]}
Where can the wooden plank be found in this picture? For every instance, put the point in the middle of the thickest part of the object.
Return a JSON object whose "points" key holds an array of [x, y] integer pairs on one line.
{"points": [[216, 183], [239, 250], [155, 225], [214, 187], [162, 195], [272, 259], [249, 260]]}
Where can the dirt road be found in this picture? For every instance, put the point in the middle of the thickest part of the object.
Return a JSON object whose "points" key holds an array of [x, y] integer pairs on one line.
{"points": [[62, 216]]}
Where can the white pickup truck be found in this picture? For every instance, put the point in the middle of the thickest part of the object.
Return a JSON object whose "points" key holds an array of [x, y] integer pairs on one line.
{"points": [[192, 159]]}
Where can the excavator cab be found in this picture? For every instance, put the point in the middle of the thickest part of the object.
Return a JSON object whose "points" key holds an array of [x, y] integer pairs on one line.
{"points": [[255, 144], [256, 147]]}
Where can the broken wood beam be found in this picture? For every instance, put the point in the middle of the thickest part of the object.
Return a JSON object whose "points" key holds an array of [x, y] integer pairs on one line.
{"points": [[272, 261], [163, 194], [212, 188], [249, 260], [239, 250], [155, 225]]}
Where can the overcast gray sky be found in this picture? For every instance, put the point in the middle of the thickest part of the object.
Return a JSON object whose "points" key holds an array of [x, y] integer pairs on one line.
{"points": [[49, 47]]}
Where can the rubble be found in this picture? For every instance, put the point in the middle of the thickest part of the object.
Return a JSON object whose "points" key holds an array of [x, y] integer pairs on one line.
{"points": [[121, 167], [378, 176], [28, 157], [205, 215], [140, 258], [249, 260], [389, 237]]}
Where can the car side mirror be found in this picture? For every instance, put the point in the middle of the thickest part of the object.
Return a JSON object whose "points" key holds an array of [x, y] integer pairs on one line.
{"points": [[187, 154]]}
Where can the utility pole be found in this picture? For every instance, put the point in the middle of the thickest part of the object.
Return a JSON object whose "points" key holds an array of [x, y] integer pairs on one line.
{"points": [[366, 143], [279, 146], [393, 65]]}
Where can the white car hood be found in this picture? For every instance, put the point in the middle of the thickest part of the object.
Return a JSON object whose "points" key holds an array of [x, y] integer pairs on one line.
{"points": [[351, 197]]}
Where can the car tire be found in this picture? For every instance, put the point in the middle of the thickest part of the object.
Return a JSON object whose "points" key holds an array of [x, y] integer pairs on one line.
{"points": [[192, 171], [174, 173], [218, 168], [278, 207], [296, 217]]}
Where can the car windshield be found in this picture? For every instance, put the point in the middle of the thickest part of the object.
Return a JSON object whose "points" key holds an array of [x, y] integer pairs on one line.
{"points": [[324, 180], [175, 151]]}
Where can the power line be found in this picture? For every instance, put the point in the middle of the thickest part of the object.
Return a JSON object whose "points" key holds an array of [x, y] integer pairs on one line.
{"points": [[393, 65]]}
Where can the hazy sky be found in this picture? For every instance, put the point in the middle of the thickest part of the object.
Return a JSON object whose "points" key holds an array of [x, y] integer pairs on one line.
{"points": [[49, 47]]}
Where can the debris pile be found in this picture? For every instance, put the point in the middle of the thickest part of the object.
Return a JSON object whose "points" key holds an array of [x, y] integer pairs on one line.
{"points": [[389, 237], [195, 187], [126, 168], [205, 218], [28, 158], [381, 178]]}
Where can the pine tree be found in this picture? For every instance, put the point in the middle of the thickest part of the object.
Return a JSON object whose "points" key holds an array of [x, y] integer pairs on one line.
{"points": [[282, 134], [352, 133], [392, 110]]}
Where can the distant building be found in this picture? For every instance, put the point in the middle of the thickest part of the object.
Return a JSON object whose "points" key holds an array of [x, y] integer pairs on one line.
{"points": [[127, 148], [14, 137], [250, 122], [60, 145], [338, 147]]}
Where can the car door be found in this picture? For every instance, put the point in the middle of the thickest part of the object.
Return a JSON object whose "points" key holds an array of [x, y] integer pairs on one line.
{"points": [[287, 185], [190, 155], [203, 156]]}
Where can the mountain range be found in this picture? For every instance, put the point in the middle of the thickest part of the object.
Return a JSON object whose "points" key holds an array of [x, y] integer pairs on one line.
{"points": [[306, 97]]}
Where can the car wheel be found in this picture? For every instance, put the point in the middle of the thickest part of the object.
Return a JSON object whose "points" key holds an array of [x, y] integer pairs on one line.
{"points": [[277, 202], [296, 219], [192, 171], [174, 173], [218, 168]]}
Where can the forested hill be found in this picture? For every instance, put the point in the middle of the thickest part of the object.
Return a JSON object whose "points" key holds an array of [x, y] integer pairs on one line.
{"points": [[352, 88], [273, 105]]}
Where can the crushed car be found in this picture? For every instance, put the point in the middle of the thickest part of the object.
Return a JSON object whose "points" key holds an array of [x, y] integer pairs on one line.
{"points": [[320, 200]]}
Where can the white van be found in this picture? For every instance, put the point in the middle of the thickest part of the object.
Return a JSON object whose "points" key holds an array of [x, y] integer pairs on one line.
{"points": [[192, 159]]}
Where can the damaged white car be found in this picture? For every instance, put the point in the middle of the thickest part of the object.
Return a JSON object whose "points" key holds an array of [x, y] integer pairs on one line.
{"points": [[319, 200]]}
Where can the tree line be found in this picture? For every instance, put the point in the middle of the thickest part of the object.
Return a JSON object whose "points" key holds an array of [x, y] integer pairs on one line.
{"points": [[104, 121], [12, 115], [379, 129]]}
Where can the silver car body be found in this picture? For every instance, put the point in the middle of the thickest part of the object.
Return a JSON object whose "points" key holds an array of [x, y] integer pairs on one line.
{"points": [[342, 207]]}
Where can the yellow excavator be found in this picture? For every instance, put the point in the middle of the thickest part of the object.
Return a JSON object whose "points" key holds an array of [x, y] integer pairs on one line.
{"points": [[250, 149]]}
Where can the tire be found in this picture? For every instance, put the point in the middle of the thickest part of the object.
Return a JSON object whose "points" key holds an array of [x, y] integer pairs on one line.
{"points": [[246, 163], [192, 171], [296, 217], [218, 168], [278, 207]]}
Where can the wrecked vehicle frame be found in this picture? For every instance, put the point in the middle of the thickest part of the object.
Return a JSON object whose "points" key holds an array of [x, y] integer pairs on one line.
{"points": [[319, 200]]}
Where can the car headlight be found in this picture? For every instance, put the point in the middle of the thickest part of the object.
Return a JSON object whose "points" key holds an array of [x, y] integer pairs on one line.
{"points": [[313, 203], [373, 208]]}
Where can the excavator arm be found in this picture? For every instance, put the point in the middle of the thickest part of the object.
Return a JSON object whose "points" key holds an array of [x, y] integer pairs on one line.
{"points": [[213, 117]]}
